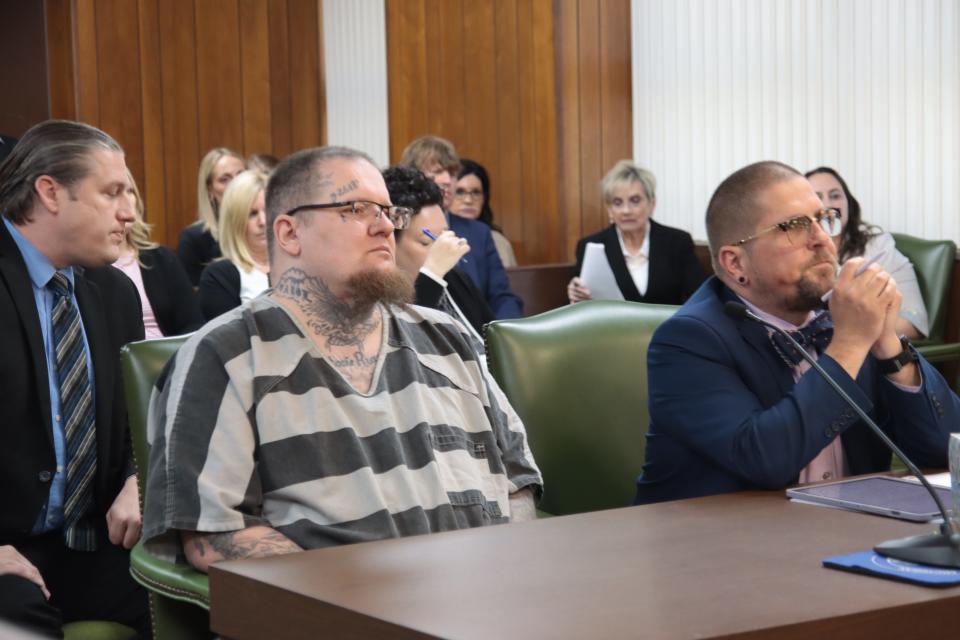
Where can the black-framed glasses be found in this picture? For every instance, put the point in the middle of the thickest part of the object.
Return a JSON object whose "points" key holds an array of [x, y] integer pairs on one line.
{"points": [[476, 194], [798, 229], [399, 217]]}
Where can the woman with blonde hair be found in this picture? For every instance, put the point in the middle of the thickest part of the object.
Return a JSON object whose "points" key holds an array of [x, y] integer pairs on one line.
{"points": [[198, 244], [651, 262], [241, 274], [169, 304]]}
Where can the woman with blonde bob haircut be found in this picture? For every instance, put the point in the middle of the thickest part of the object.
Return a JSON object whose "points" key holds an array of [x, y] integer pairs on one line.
{"points": [[241, 274], [198, 244], [166, 296], [651, 262]]}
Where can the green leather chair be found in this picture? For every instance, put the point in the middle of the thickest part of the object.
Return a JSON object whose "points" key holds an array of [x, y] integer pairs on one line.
{"points": [[179, 595], [933, 262], [577, 377]]}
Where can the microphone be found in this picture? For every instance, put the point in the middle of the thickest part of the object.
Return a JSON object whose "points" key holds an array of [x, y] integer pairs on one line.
{"points": [[940, 549]]}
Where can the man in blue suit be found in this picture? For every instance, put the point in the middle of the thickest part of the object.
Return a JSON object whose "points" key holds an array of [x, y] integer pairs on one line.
{"points": [[438, 160], [732, 409]]}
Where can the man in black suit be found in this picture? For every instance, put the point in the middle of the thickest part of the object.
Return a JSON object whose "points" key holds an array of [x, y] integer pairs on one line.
{"points": [[70, 503]]}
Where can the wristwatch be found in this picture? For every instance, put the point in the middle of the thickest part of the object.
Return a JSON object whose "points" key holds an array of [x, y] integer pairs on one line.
{"points": [[899, 361]]}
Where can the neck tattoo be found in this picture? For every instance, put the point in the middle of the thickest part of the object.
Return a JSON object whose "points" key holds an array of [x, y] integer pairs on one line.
{"points": [[341, 323]]}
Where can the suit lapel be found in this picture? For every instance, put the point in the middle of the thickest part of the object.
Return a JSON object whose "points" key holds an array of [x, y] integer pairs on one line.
{"points": [[611, 246], [656, 281], [756, 336], [13, 272]]}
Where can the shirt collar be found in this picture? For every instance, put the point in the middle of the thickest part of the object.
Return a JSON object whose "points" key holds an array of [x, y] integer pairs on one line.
{"points": [[644, 246], [774, 320], [39, 266]]}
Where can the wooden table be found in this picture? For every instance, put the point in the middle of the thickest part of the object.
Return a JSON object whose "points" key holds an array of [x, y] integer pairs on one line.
{"points": [[740, 565]]}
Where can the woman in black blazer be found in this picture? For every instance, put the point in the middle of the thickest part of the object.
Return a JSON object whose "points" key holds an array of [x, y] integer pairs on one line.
{"points": [[429, 259], [650, 262], [168, 302], [198, 245]]}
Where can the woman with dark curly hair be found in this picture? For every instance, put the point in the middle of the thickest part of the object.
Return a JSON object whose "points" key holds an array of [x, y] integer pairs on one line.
{"points": [[471, 199], [859, 238], [428, 252]]}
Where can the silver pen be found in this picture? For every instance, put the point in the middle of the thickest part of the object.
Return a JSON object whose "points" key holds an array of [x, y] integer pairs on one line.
{"points": [[866, 265]]}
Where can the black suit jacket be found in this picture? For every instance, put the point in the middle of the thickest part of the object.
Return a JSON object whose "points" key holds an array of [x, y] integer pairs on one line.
{"points": [[171, 295], [219, 289], [110, 309], [675, 272], [196, 249], [466, 294]]}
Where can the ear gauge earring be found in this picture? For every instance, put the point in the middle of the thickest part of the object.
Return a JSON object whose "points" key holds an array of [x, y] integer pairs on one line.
{"points": [[742, 279]]}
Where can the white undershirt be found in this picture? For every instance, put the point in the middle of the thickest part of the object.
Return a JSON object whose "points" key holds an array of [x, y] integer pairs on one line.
{"points": [[638, 264], [252, 283]]}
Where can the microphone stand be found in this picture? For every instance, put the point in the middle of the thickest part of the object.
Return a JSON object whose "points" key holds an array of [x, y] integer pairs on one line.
{"points": [[940, 549]]}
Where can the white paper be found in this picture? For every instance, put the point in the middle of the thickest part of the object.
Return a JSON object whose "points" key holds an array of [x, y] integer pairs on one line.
{"points": [[597, 274], [941, 480]]}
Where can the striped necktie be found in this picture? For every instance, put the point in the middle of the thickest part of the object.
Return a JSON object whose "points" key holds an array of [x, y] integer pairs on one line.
{"points": [[77, 415]]}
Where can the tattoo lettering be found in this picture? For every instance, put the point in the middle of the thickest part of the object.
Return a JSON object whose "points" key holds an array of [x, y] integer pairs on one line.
{"points": [[358, 359], [344, 190]]}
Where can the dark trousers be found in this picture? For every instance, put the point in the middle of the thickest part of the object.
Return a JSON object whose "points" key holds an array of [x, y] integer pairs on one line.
{"points": [[83, 585]]}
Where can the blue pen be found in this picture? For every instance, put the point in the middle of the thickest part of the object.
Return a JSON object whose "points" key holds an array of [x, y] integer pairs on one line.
{"points": [[430, 235]]}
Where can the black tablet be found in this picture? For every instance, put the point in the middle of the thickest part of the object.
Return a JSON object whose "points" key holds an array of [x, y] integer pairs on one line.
{"points": [[892, 497]]}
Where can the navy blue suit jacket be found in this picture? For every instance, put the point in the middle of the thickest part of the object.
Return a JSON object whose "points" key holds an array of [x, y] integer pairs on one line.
{"points": [[484, 267], [726, 415]]}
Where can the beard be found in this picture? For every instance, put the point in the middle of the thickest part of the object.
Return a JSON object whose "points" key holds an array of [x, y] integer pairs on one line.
{"points": [[809, 291], [367, 288]]}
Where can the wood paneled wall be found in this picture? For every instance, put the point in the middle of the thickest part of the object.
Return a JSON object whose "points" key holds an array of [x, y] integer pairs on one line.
{"points": [[170, 79], [538, 91]]}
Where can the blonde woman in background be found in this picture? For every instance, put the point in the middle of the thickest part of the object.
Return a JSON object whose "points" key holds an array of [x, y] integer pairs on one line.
{"points": [[169, 304], [198, 244], [651, 262], [242, 273]]}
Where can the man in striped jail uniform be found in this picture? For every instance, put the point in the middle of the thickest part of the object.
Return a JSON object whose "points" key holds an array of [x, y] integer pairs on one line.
{"points": [[329, 410]]}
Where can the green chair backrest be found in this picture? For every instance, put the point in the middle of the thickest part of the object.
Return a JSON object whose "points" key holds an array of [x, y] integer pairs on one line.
{"points": [[577, 377], [933, 262], [142, 363], [179, 595]]}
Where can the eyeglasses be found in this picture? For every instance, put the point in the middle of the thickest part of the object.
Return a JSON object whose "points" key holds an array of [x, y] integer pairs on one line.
{"points": [[798, 229], [473, 193], [632, 201], [399, 217]]}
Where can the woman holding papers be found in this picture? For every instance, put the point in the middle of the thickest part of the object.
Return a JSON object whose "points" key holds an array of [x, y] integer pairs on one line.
{"points": [[650, 262]]}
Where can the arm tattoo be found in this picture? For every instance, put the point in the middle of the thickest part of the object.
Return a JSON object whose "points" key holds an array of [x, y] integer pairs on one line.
{"points": [[234, 545]]}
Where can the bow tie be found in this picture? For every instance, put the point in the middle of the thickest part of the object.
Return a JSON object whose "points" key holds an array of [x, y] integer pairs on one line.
{"points": [[817, 334]]}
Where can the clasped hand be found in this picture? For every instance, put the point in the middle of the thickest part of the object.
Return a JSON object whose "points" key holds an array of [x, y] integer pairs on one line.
{"points": [[864, 309]]}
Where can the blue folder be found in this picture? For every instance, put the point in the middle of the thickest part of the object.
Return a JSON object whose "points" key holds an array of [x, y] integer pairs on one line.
{"points": [[872, 564]]}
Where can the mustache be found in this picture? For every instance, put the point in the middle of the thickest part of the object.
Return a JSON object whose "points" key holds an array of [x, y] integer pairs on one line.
{"points": [[820, 256]]}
